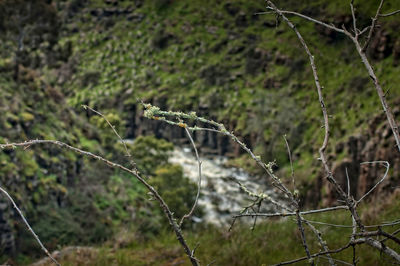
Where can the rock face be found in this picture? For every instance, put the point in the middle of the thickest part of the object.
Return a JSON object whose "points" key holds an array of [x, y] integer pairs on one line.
{"points": [[374, 144]]}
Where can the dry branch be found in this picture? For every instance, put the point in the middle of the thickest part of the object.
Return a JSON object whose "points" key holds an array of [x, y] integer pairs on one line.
{"points": [[361, 51], [28, 226], [199, 179], [134, 173]]}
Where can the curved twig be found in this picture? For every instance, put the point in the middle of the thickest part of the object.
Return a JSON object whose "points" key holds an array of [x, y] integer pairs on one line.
{"points": [[29, 227], [387, 165], [157, 196], [199, 180]]}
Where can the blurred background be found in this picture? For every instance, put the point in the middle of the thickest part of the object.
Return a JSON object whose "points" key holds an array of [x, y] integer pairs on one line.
{"points": [[225, 62]]}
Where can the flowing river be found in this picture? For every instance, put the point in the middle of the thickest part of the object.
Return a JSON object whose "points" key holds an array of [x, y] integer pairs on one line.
{"points": [[221, 197]]}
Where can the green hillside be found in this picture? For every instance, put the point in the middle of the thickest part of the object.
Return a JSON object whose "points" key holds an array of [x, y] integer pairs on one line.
{"points": [[222, 59]]}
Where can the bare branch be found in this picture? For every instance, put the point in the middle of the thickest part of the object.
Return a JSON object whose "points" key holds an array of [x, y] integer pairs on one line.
{"points": [[393, 234], [364, 30], [337, 260], [291, 164], [256, 202], [303, 237], [332, 27], [387, 165], [354, 19], [320, 96], [199, 180], [350, 226], [262, 196], [314, 255], [153, 112], [386, 109], [348, 183], [374, 243], [114, 130], [285, 214], [157, 196], [373, 25], [380, 233], [388, 112], [353, 237], [378, 245], [321, 241], [389, 14], [29, 227]]}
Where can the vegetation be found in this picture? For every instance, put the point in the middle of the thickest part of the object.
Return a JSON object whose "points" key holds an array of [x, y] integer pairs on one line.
{"points": [[217, 58]]}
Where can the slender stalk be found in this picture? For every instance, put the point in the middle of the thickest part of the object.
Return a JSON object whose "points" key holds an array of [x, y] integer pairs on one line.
{"points": [[29, 227], [199, 180], [155, 194]]}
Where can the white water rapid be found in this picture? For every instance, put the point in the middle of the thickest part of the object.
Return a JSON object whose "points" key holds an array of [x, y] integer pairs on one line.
{"points": [[220, 196]]}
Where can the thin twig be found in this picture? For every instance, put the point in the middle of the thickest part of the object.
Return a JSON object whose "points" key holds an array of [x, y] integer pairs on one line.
{"points": [[372, 28], [199, 179], [374, 243], [381, 94], [157, 196], [386, 108], [262, 196], [332, 27], [353, 14], [291, 164], [364, 30], [387, 165], [29, 227], [255, 218], [153, 112], [348, 183], [337, 260], [350, 226], [389, 14], [380, 233], [114, 130], [285, 214], [255, 202], [303, 237], [352, 238], [314, 255], [381, 247], [320, 96], [323, 243], [393, 234]]}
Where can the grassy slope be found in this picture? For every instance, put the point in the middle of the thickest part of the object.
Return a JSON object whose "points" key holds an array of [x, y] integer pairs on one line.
{"points": [[202, 55], [189, 56], [271, 242], [195, 55]]}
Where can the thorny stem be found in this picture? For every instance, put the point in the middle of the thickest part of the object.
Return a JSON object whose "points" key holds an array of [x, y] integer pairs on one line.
{"points": [[372, 28], [303, 237], [114, 130], [153, 112], [300, 220], [381, 94], [350, 202], [359, 241], [285, 214], [155, 194], [323, 244], [29, 227], [361, 52]]}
